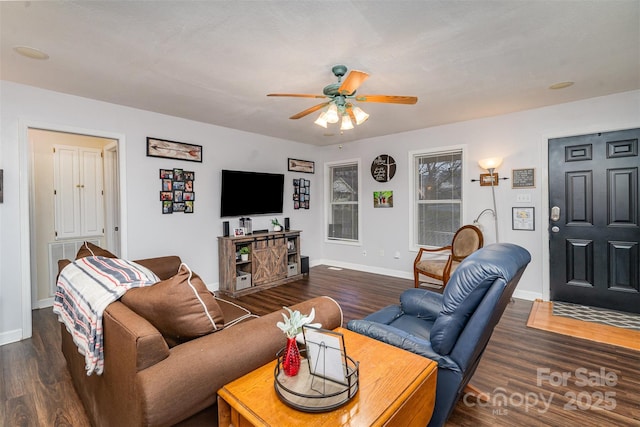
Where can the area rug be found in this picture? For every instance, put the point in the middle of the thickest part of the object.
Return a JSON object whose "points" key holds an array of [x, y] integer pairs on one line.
{"points": [[543, 318], [597, 315]]}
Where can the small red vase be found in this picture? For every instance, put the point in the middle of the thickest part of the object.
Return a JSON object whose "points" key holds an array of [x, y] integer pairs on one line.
{"points": [[291, 358]]}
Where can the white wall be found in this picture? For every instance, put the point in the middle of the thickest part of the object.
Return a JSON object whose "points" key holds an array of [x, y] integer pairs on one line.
{"points": [[148, 232], [520, 138]]}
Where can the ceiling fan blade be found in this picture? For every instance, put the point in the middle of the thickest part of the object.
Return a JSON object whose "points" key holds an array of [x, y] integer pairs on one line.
{"points": [[389, 99], [309, 110], [350, 112], [352, 82], [297, 95]]}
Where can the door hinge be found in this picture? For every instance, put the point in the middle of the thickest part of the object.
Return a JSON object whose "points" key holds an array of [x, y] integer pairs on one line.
{"points": [[54, 192], [55, 233], [54, 149]]}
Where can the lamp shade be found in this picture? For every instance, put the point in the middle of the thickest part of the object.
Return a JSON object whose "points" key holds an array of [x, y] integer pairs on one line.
{"points": [[490, 163], [360, 115], [346, 123], [332, 114], [322, 120]]}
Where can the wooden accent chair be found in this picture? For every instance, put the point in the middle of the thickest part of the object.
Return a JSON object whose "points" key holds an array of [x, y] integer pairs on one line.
{"points": [[467, 240]]}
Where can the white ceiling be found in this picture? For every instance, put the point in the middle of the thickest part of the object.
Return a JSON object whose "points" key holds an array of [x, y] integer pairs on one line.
{"points": [[214, 61]]}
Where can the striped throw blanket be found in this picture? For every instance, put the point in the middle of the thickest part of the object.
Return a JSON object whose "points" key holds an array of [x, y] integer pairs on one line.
{"points": [[84, 290]]}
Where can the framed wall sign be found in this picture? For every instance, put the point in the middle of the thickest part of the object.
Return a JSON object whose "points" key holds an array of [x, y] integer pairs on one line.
{"points": [[173, 150], [485, 179], [383, 168], [523, 219], [306, 166], [523, 178]]}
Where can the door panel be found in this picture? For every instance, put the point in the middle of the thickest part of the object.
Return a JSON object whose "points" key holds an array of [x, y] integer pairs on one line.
{"points": [[579, 202], [594, 244]]}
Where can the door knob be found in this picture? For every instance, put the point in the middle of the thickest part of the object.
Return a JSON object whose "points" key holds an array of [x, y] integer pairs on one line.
{"points": [[555, 228]]}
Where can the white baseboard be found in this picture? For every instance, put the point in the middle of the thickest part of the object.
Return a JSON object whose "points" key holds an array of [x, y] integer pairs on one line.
{"points": [[43, 303], [365, 268], [10, 336], [526, 295]]}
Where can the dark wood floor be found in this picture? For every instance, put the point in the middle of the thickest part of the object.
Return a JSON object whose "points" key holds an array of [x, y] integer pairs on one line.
{"points": [[36, 390]]}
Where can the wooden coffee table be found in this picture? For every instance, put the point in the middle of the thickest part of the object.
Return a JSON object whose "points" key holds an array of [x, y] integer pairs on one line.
{"points": [[396, 388]]}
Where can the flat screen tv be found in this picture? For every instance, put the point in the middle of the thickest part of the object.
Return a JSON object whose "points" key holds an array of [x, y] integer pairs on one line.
{"points": [[250, 193]]}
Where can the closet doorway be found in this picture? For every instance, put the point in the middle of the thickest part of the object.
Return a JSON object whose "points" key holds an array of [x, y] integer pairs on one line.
{"points": [[74, 196]]}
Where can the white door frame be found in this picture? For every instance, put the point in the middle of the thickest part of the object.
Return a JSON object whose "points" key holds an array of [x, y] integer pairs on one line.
{"points": [[26, 185], [112, 198]]}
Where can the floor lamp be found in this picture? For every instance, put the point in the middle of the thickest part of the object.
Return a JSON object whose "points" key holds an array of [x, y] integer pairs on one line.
{"points": [[490, 165]]}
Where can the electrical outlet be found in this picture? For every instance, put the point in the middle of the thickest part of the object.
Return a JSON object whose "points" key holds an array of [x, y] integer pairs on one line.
{"points": [[364, 253], [381, 252]]}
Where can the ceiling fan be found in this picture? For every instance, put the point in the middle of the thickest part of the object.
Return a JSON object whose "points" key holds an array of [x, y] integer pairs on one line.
{"points": [[340, 97]]}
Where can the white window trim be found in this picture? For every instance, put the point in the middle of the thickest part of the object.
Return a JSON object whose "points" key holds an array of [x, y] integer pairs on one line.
{"points": [[327, 195], [413, 246]]}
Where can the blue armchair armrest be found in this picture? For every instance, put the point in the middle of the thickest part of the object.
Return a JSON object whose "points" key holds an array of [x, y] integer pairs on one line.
{"points": [[399, 338]]}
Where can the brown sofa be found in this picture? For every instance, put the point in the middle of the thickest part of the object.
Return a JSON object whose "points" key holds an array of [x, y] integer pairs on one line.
{"points": [[146, 383]]}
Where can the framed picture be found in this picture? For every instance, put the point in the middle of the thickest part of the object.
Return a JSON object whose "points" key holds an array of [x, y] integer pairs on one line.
{"points": [[485, 179], [301, 193], [304, 166], [383, 199], [326, 354], [173, 150], [523, 219], [166, 174], [177, 193], [238, 231], [523, 178]]}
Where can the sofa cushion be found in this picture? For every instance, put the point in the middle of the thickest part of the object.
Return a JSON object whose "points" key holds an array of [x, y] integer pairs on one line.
{"points": [[233, 313], [181, 307], [89, 249]]}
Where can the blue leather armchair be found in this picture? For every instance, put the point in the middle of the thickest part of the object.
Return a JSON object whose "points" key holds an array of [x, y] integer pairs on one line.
{"points": [[452, 328]]}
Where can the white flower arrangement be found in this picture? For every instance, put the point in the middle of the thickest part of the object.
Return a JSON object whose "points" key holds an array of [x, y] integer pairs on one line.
{"points": [[293, 324]]}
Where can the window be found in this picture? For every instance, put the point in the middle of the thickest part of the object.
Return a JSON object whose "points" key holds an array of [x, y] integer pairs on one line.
{"points": [[437, 197], [343, 190]]}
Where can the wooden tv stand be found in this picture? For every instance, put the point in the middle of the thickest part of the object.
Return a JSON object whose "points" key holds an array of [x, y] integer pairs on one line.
{"points": [[274, 259]]}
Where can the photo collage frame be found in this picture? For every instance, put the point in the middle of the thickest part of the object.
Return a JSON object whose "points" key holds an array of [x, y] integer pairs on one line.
{"points": [[301, 193], [177, 193]]}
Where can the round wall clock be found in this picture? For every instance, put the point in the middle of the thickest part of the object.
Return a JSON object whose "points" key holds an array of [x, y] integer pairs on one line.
{"points": [[383, 168]]}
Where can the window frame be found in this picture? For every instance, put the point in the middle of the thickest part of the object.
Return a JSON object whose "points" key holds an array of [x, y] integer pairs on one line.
{"points": [[328, 202], [413, 179]]}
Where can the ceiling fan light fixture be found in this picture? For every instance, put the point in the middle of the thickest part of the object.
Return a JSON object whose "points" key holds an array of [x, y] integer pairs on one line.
{"points": [[360, 115], [332, 114], [322, 120], [346, 123]]}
